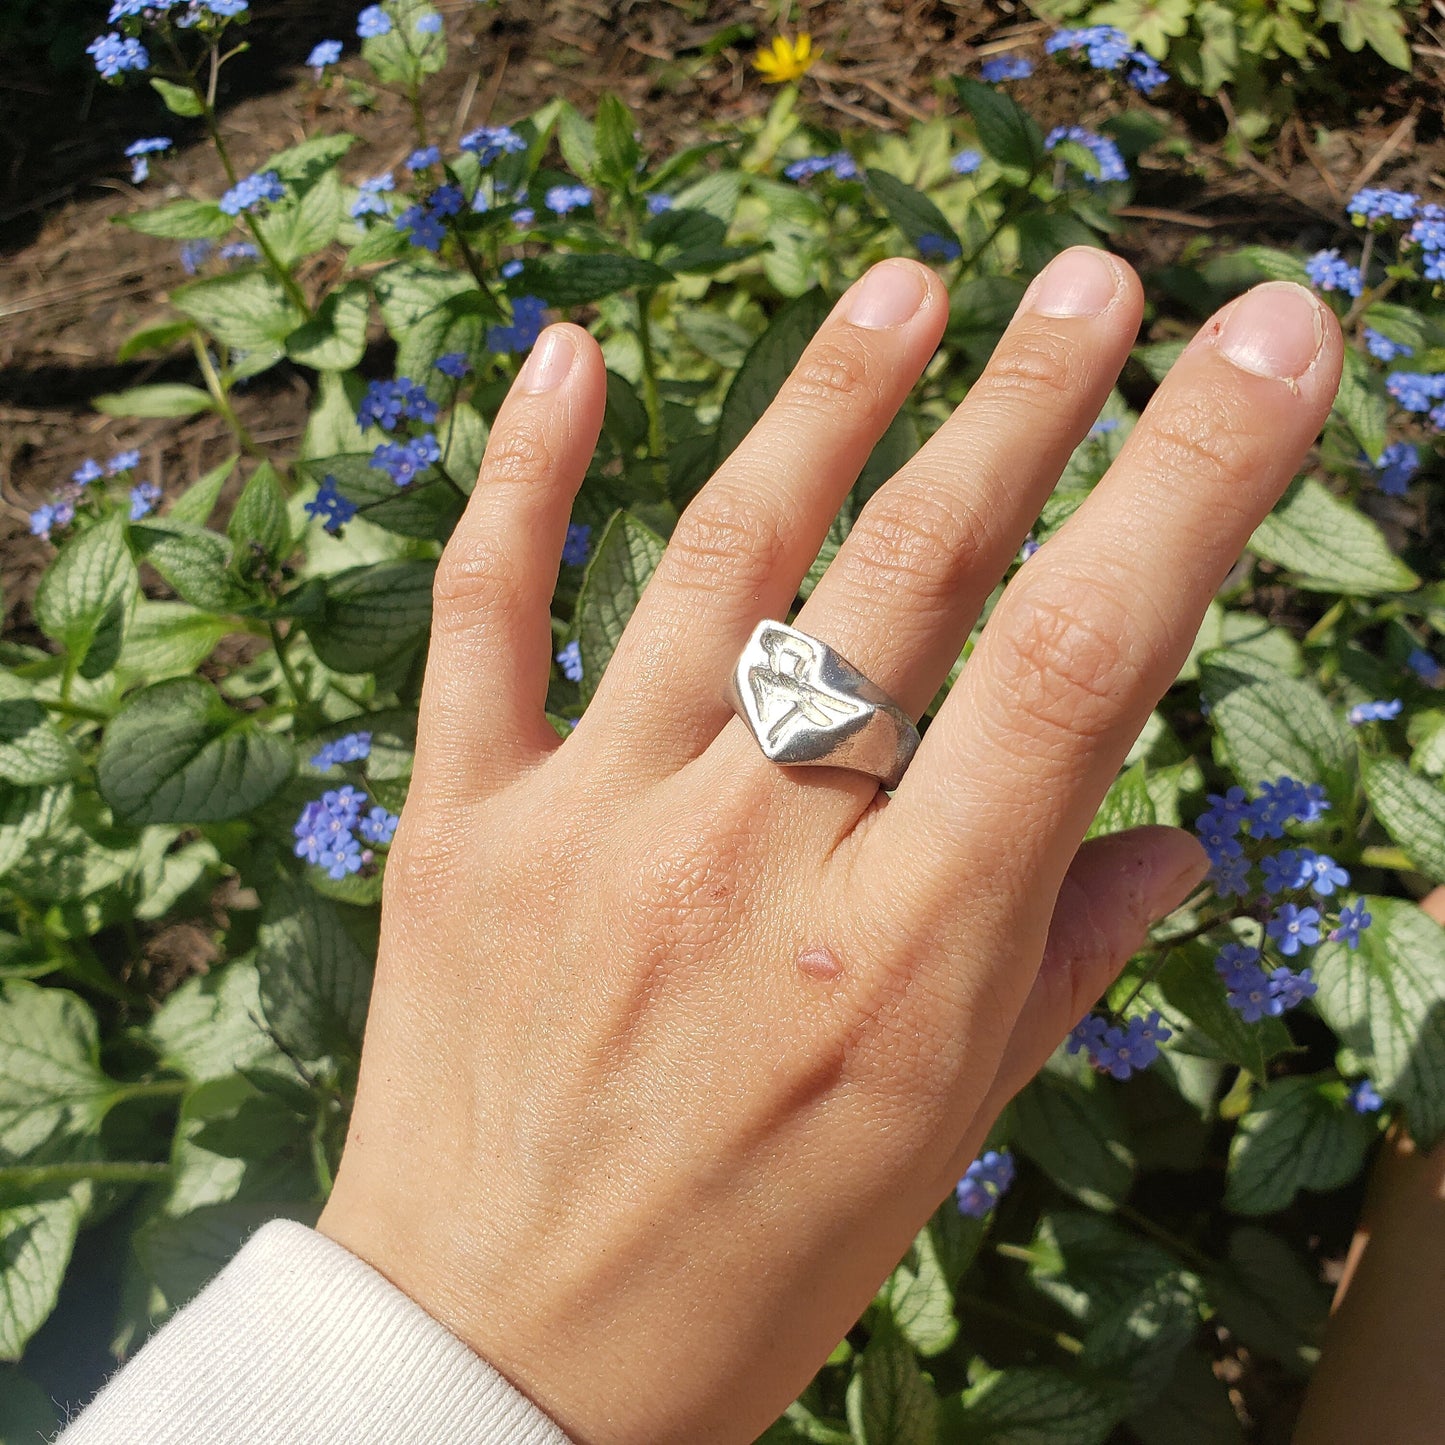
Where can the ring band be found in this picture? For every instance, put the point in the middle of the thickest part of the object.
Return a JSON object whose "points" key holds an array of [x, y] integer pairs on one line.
{"points": [[806, 705]]}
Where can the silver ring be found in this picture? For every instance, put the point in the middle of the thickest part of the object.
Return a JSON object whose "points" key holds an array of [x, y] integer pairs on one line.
{"points": [[806, 705]]}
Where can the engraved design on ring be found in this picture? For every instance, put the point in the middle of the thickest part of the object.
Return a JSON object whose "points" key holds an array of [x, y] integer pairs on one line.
{"points": [[806, 705]]}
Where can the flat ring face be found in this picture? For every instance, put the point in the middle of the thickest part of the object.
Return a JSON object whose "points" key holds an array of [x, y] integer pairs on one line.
{"points": [[806, 705]]}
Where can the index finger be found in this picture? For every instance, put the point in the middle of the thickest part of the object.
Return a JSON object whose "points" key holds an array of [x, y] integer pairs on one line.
{"points": [[1094, 628]]}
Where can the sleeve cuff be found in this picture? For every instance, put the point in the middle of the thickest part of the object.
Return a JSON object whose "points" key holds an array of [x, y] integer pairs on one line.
{"points": [[298, 1342]]}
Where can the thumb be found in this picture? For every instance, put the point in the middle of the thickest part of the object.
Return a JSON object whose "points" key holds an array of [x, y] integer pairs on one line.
{"points": [[1115, 888]]}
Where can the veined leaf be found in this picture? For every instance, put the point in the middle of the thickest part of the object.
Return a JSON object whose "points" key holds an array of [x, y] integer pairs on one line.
{"points": [[626, 556]]}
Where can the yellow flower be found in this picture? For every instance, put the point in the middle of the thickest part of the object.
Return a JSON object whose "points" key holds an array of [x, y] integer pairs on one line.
{"points": [[787, 60]]}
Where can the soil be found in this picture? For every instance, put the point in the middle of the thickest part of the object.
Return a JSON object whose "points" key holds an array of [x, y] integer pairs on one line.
{"points": [[73, 285]]}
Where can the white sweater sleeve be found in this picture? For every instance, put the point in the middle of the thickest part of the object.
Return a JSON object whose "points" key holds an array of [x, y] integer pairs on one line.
{"points": [[298, 1342]]}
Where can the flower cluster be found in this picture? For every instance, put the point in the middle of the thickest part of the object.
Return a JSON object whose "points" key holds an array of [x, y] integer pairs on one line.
{"points": [[1251, 992], [529, 316], [323, 53], [332, 509], [1420, 391], [1006, 67], [1367, 712], [1382, 348], [349, 748], [984, 1183], [1397, 465], [403, 462], [59, 512], [328, 828], [1373, 206], [424, 156], [1428, 234], [933, 247], [424, 224], [369, 198], [1104, 151], [1364, 1097], [114, 54], [1117, 1051], [574, 549], [841, 164], [373, 21], [560, 200], [1328, 271], [1106, 47], [138, 152], [490, 142], [570, 661], [387, 403], [252, 193]]}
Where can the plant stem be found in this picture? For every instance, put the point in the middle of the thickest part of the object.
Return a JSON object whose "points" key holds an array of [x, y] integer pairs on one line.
{"points": [[651, 398], [280, 641], [1160, 1235], [223, 402], [450, 480], [149, 1089], [1068, 1343]]}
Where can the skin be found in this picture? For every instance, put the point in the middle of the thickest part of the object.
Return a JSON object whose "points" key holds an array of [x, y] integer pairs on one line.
{"points": [[673, 1050]]}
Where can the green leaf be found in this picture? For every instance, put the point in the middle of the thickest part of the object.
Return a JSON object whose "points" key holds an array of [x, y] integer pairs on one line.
{"points": [[194, 560], [32, 749], [1362, 404], [167, 399], [1270, 1300], [212, 1026], [577, 141], [1192, 1409], [919, 1298], [247, 310], [577, 279], [1386, 1001], [1280, 725], [36, 1238], [307, 221], [198, 501], [87, 594], [1412, 811], [910, 210], [52, 1089], [1127, 804], [167, 639], [625, 557], [1274, 265], [769, 361], [176, 753], [179, 99], [315, 960], [1027, 1406], [888, 1401], [372, 615], [27, 1416], [28, 814], [153, 338], [615, 135], [335, 338], [300, 166], [259, 520], [1005, 130], [428, 309], [182, 221], [1298, 1134], [1331, 544], [1071, 1128]]}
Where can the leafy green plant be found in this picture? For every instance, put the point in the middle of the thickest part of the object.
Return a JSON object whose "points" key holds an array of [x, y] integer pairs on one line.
{"points": [[1067, 1287]]}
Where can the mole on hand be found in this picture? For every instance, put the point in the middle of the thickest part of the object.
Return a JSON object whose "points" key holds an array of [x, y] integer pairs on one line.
{"points": [[819, 962]]}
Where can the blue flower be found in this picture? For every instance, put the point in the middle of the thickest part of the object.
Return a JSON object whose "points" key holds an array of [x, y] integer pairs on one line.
{"points": [[562, 199], [126, 461], [1284, 872], [446, 200], [422, 228], [144, 498], [115, 54], [1416, 390], [1397, 465], [1383, 205], [1328, 272], [1292, 928], [349, 748], [423, 157], [323, 832], [1283, 801], [238, 251], [403, 462], [1382, 348], [1145, 73], [984, 1182], [194, 255], [966, 162], [1322, 873], [570, 661], [1229, 877], [454, 364], [373, 21], [523, 217], [378, 826], [87, 472], [511, 269], [1353, 920], [1365, 712], [1105, 47], [1006, 67], [1425, 667], [1233, 963], [252, 192], [574, 549], [489, 142], [658, 202], [1087, 1034], [323, 53], [1364, 1097], [529, 316], [137, 151], [44, 520], [1291, 989], [1029, 546], [1250, 995], [1104, 151], [1121, 1052], [369, 202], [1216, 832], [429, 24], [332, 509], [933, 247], [806, 168], [844, 167]]}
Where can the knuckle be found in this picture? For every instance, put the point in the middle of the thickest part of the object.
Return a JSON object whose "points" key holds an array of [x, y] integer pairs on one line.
{"points": [[474, 575], [519, 454], [1031, 363], [834, 371], [1068, 657], [726, 535], [1191, 439], [921, 536]]}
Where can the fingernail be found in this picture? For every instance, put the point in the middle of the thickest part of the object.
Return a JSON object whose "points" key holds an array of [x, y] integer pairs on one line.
{"points": [[550, 361], [1275, 330], [1080, 282], [887, 296]]}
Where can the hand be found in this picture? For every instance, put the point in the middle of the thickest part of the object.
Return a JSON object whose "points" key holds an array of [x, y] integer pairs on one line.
{"points": [[672, 1050]]}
